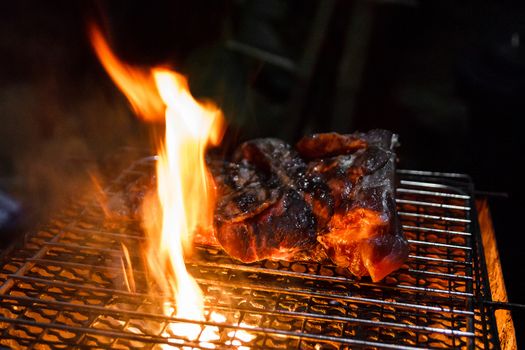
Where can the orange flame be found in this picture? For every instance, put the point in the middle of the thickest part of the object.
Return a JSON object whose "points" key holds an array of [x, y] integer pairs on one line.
{"points": [[137, 84], [184, 187]]}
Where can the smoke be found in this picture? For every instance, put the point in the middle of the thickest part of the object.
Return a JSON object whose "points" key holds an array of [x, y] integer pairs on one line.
{"points": [[60, 115], [49, 144]]}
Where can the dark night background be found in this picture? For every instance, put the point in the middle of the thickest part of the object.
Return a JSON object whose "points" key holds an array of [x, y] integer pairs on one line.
{"points": [[447, 76]]}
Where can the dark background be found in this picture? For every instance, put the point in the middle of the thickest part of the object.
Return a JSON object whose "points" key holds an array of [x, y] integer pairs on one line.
{"points": [[447, 76]]}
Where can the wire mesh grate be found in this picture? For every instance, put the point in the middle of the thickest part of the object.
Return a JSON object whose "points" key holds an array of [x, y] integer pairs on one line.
{"points": [[64, 287]]}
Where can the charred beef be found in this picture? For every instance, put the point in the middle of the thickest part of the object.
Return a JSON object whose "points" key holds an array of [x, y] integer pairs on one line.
{"points": [[331, 197], [334, 195], [268, 217]]}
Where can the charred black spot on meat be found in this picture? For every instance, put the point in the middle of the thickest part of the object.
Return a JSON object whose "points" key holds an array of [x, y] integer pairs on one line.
{"points": [[275, 157], [242, 191], [276, 233]]}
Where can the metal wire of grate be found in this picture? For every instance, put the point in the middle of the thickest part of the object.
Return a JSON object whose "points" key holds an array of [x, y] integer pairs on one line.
{"points": [[64, 287]]}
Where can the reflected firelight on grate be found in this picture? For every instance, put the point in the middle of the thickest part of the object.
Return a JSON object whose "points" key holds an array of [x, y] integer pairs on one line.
{"points": [[66, 285]]}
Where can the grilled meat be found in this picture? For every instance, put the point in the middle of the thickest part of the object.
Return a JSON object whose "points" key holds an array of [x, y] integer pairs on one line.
{"points": [[341, 199], [329, 198]]}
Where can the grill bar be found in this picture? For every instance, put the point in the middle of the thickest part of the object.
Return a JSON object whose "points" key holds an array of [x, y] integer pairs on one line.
{"points": [[441, 245], [65, 285], [430, 193], [429, 204], [434, 217], [409, 227]]}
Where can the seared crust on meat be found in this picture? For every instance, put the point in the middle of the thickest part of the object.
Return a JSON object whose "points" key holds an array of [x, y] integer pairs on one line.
{"points": [[329, 144], [336, 192]]}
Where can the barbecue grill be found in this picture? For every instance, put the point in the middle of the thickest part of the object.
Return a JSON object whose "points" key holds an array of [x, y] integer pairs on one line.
{"points": [[68, 284]]}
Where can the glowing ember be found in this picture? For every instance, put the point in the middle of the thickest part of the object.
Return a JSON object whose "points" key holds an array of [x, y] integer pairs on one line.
{"points": [[239, 336], [185, 193]]}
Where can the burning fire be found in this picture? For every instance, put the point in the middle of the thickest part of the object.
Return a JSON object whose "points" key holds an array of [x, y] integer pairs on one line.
{"points": [[184, 187]]}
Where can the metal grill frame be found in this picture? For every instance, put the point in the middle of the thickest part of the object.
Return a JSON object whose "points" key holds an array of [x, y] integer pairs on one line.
{"points": [[63, 287]]}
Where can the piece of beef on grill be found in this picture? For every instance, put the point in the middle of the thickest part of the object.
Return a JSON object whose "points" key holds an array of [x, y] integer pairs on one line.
{"points": [[364, 234], [332, 197], [266, 216], [342, 201]]}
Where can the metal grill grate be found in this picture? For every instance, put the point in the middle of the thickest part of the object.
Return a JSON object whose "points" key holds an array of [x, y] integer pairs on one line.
{"points": [[65, 286]]}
